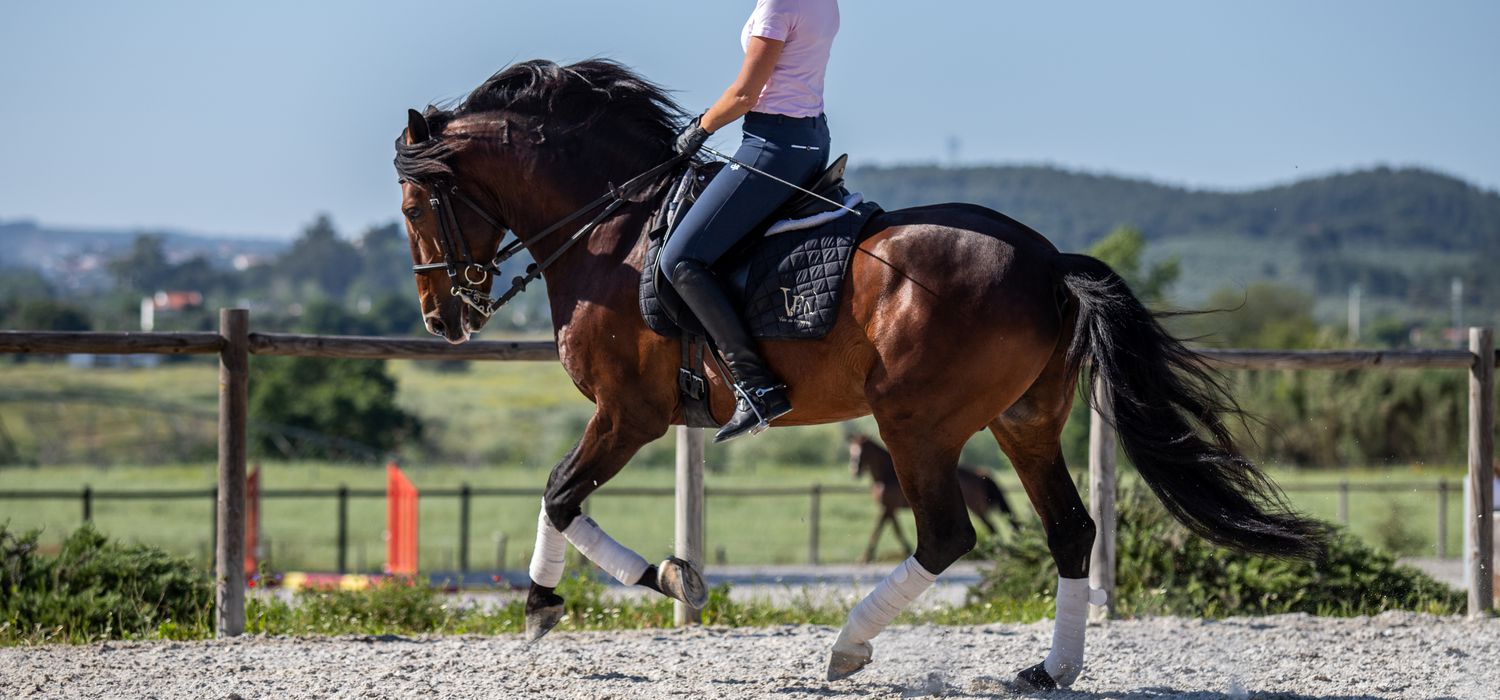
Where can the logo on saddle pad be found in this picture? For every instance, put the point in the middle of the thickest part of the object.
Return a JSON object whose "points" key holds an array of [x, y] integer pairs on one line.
{"points": [[796, 304]]}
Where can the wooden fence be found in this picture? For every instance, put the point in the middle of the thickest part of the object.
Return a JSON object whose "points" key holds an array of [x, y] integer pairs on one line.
{"points": [[235, 343], [86, 497]]}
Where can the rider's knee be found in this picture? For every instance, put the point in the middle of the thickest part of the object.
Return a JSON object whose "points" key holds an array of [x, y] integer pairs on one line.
{"points": [[676, 267]]}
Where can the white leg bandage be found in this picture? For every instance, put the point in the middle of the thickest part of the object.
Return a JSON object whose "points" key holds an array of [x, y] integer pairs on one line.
{"points": [[547, 557], [616, 559], [1066, 659], [893, 595]]}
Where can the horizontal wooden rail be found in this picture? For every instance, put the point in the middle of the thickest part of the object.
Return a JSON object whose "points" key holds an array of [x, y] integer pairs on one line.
{"points": [[497, 492], [110, 343], [1340, 359], [649, 491], [393, 348], [382, 348]]}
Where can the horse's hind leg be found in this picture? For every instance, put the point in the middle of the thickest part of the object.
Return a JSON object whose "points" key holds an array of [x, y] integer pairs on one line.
{"points": [[900, 536], [926, 465], [875, 537], [607, 444], [1029, 433]]}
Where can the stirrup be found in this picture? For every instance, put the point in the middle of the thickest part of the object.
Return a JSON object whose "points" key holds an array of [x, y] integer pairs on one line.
{"points": [[750, 403], [752, 399]]}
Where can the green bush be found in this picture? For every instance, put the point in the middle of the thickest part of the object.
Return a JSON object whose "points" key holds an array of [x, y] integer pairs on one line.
{"points": [[340, 400], [97, 589], [1164, 570]]}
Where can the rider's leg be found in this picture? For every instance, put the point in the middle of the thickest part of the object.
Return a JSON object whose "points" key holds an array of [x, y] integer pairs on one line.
{"points": [[732, 204]]}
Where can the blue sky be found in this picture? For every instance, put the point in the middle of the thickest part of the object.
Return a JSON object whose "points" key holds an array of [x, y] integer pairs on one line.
{"points": [[250, 118]]}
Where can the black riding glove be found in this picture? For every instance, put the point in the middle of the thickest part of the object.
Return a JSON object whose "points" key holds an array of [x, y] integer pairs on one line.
{"points": [[691, 139]]}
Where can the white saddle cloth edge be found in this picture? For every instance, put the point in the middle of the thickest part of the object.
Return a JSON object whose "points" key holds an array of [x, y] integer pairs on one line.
{"points": [[785, 225]]}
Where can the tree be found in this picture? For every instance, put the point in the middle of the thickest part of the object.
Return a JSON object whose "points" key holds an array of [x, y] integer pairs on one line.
{"points": [[349, 400], [1122, 250], [320, 260], [52, 315], [1264, 315], [144, 268]]}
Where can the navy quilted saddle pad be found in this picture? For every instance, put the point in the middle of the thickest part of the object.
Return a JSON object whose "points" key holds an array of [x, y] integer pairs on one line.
{"points": [[788, 284]]}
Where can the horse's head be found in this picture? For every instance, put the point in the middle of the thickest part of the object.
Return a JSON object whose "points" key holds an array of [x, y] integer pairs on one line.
{"points": [[453, 240], [857, 443], [526, 150]]}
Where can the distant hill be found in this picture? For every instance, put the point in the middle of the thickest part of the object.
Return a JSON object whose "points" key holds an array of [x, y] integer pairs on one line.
{"points": [[1401, 234]]}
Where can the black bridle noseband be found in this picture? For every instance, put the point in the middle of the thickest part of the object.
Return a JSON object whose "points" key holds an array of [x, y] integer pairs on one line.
{"points": [[466, 274]]}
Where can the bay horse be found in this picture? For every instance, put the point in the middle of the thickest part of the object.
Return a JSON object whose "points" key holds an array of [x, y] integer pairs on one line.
{"points": [[954, 319], [867, 457]]}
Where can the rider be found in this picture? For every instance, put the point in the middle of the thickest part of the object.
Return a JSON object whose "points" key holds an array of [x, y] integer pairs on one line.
{"points": [[779, 92]]}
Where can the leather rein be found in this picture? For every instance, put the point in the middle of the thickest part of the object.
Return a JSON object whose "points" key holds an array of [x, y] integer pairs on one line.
{"points": [[466, 274]]}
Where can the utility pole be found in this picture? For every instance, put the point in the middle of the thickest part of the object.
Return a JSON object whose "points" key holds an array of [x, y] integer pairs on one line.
{"points": [[1354, 299], [1457, 290]]}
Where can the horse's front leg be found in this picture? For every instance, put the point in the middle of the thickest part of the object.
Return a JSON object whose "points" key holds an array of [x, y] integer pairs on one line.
{"points": [[606, 446]]}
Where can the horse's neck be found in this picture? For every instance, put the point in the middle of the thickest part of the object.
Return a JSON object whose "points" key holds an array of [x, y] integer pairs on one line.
{"points": [[882, 468], [580, 262]]}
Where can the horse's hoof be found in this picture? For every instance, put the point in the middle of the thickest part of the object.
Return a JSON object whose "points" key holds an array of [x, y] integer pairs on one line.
{"points": [[846, 660], [679, 579], [541, 621], [1036, 678]]}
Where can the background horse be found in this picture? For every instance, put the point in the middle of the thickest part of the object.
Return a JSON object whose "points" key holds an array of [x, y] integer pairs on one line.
{"points": [[868, 457], [954, 318]]}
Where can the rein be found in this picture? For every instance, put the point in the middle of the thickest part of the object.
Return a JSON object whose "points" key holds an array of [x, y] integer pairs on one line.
{"points": [[466, 274]]}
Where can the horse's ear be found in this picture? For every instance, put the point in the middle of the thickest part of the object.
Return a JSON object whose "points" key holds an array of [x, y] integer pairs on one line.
{"points": [[416, 127]]}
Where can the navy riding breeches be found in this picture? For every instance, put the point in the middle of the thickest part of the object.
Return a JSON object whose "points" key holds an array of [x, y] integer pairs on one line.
{"points": [[791, 148]]}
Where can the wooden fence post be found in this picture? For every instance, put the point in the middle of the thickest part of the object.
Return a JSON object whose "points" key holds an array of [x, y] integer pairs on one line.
{"points": [[464, 495], [689, 539], [814, 522], [1481, 471], [343, 529], [229, 559], [1102, 492], [1442, 518]]}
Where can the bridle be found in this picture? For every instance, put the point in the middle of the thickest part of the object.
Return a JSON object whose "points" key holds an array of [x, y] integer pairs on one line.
{"points": [[466, 274]]}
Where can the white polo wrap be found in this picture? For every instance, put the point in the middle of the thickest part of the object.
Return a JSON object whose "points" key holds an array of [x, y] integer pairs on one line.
{"points": [[616, 559], [547, 556], [883, 604], [1065, 661]]}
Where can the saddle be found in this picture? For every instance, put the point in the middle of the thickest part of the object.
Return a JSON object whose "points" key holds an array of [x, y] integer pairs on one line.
{"points": [[787, 274]]}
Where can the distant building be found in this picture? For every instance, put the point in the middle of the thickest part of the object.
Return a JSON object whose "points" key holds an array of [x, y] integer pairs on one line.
{"points": [[168, 302], [162, 302]]}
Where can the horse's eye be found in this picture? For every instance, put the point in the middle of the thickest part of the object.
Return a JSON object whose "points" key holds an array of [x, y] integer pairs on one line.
{"points": [[413, 213]]}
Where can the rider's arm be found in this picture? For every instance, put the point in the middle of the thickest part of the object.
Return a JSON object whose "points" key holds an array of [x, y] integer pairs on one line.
{"points": [[760, 60]]}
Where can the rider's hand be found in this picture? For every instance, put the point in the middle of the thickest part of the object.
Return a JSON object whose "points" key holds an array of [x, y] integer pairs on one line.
{"points": [[691, 139]]}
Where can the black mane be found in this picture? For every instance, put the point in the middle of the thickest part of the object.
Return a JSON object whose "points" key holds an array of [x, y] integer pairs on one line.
{"points": [[598, 96]]}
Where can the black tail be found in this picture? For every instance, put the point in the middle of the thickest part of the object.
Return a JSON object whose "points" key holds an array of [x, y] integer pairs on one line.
{"points": [[1169, 409]]}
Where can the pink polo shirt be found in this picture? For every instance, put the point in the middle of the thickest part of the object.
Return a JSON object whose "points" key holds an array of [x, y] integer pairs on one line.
{"points": [[808, 27]]}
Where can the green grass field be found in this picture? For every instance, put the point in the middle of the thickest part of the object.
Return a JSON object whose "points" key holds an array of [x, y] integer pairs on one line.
{"points": [[494, 425], [748, 530]]}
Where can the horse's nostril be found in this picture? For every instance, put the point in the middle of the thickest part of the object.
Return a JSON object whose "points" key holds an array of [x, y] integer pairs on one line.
{"points": [[438, 327]]}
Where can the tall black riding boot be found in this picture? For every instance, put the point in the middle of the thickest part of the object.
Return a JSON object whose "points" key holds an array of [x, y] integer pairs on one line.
{"points": [[761, 396]]}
